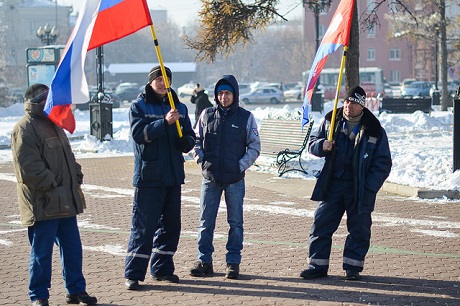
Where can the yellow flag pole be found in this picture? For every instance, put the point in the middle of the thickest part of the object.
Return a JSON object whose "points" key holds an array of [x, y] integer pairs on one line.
{"points": [[337, 92], [165, 77]]}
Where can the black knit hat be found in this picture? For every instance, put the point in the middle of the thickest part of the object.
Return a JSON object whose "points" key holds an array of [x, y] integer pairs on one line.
{"points": [[156, 72], [357, 94]]}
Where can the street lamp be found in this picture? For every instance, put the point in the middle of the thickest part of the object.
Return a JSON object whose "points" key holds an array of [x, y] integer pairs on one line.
{"points": [[47, 34], [318, 7]]}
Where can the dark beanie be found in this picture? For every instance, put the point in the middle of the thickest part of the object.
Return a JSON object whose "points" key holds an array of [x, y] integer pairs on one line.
{"points": [[225, 86], [357, 94], [36, 93], [156, 72]]}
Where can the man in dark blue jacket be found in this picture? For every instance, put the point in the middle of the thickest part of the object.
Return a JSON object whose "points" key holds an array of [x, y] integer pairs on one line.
{"points": [[158, 176], [228, 144], [357, 162]]}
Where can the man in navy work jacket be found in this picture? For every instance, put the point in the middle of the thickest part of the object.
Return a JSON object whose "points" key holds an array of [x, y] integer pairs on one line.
{"points": [[357, 162], [158, 176]]}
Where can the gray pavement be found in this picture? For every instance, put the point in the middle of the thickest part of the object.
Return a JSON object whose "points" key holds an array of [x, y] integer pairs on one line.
{"points": [[414, 258]]}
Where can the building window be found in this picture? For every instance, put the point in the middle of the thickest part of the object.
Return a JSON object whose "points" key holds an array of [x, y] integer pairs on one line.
{"points": [[371, 32], [395, 54], [395, 76], [371, 54]]}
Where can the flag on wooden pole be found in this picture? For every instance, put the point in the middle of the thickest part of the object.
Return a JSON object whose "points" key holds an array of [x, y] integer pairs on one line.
{"points": [[99, 22], [337, 35]]}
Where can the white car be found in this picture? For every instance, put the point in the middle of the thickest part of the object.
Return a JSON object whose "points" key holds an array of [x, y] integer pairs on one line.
{"points": [[295, 93], [262, 95], [122, 86], [186, 89]]}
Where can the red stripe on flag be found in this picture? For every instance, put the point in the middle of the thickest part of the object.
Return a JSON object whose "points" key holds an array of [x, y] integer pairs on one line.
{"points": [[119, 21], [63, 117]]}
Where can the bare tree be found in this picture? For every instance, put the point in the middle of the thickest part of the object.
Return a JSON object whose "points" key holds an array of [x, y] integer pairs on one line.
{"points": [[429, 24]]}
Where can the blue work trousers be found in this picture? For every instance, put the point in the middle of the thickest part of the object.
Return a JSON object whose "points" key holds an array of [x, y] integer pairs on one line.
{"points": [[155, 232], [42, 236], [211, 194], [328, 215]]}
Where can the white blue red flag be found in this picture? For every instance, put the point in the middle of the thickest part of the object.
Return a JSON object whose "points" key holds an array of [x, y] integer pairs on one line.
{"points": [[337, 35], [98, 23]]}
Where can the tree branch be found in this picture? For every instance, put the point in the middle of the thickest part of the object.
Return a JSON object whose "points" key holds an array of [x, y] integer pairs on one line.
{"points": [[225, 24]]}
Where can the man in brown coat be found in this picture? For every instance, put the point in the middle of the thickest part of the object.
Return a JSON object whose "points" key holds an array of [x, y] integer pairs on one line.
{"points": [[50, 198]]}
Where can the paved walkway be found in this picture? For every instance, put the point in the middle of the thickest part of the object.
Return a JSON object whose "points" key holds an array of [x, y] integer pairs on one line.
{"points": [[414, 258]]}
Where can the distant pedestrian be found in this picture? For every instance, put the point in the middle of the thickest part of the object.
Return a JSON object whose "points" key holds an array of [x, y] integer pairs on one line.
{"points": [[201, 101], [158, 176], [357, 162], [228, 144], [50, 198]]}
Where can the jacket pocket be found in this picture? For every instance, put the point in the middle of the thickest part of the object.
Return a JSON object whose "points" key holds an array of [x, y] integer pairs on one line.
{"points": [[58, 202], [152, 171], [368, 202]]}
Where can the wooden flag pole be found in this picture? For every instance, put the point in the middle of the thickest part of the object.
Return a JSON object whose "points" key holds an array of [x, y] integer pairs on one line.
{"points": [[337, 92], [166, 80]]}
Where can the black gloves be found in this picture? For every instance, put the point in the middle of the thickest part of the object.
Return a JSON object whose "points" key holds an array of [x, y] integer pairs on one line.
{"points": [[186, 143]]}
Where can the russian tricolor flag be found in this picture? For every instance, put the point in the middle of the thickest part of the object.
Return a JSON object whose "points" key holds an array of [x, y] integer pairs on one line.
{"points": [[337, 35], [99, 22]]}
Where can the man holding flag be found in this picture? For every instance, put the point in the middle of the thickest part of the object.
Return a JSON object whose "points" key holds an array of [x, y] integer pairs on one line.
{"points": [[158, 176], [357, 162]]}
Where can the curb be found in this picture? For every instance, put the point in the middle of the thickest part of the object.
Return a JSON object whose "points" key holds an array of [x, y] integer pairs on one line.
{"points": [[422, 193]]}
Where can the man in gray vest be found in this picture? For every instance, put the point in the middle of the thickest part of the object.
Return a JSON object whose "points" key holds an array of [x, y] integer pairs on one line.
{"points": [[227, 145]]}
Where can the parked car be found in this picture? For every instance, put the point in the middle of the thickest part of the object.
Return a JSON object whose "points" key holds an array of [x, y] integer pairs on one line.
{"points": [[417, 89], [405, 83], [288, 86], [122, 86], [452, 86], [186, 89], [244, 88], [396, 88], [263, 95], [387, 90], [209, 90], [295, 93], [15, 95], [128, 93]]}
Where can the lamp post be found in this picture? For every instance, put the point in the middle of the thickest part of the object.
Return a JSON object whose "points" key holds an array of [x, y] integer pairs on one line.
{"points": [[47, 34], [317, 7]]}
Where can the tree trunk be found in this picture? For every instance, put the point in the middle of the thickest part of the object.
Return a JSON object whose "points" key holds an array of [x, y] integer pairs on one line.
{"points": [[352, 60]]}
